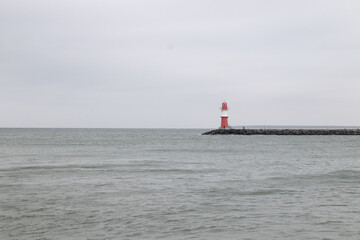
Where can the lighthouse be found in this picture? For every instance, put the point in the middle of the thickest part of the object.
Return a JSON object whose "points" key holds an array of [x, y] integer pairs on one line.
{"points": [[224, 116]]}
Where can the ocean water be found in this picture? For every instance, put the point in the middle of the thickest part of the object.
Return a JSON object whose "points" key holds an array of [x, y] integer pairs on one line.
{"points": [[177, 184]]}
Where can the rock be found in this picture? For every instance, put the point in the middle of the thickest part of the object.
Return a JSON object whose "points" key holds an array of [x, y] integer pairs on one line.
{"points": [[283, 132]]}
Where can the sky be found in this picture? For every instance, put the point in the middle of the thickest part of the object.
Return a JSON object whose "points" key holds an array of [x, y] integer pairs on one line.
{"points": [[170, 64]]}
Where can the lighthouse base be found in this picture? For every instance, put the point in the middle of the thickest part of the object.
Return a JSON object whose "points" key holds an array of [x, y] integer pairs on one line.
{"points": [[224, 122]]}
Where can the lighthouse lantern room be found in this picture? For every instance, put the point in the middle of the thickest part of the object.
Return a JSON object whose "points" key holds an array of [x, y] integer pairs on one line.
{"points": [[224, 116]]}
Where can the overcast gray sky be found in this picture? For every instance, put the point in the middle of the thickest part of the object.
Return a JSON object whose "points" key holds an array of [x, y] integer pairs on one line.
{"points": [[141, 63]]}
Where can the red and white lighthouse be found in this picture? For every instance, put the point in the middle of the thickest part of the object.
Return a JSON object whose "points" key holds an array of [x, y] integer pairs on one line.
{"points": [[224, 116]]}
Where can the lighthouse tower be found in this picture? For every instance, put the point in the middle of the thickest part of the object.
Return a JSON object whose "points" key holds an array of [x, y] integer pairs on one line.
{"points": [[224, 116]]}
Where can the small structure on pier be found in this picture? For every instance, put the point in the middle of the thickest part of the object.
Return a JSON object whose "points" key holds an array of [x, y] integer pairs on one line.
{"points": [[224, 116]]}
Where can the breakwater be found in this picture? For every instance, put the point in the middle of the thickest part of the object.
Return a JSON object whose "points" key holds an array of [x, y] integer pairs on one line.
{"points": [[283, 132]]}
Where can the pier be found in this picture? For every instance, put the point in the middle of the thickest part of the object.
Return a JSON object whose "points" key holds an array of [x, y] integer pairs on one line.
{"points": [[283, 132]]}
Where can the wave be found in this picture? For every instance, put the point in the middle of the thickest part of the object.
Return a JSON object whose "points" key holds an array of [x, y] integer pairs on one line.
{"points": [[255, 192], [124, 167], [266, 192], [56, 167], [339, 175]]}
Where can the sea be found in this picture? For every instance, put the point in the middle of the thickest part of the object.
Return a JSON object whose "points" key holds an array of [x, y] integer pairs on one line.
{"points": [[177, 184]]}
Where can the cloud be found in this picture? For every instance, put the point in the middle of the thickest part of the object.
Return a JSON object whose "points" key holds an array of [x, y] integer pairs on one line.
{"points": [[104, 60]]}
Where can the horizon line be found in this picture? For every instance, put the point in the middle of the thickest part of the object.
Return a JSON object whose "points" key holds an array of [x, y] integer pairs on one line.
{"points": [[232, 126]]}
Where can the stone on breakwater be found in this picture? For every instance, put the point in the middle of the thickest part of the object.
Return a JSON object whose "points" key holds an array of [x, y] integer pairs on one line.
{"points": [[283, 132]]}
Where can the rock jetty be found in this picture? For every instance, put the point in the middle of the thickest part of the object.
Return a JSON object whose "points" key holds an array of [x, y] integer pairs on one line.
{"points": [[283, 132]]}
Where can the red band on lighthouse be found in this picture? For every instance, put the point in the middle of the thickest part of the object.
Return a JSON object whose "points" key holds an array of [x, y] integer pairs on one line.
{"points": [[224, 116]]}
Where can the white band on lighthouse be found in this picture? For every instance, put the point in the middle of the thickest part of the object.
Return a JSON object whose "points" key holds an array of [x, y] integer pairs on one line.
{"points": [[224, 113]]}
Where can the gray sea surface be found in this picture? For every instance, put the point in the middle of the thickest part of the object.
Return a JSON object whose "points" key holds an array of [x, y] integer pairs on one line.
{"points": [[177, 184]]}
